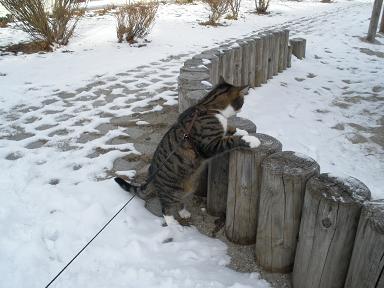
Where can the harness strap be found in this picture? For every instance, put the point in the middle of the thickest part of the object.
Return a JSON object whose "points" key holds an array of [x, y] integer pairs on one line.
{"points": [[189, 128]]}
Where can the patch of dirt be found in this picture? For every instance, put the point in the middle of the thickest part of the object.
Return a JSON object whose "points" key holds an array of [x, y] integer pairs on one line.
{"points": [[242, 256]]}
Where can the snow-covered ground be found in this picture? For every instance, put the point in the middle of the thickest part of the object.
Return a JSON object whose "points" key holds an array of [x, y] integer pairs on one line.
{"points": [[53, 196]]}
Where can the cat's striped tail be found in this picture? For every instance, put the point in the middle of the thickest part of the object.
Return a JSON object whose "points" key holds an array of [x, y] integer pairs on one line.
{"points": [[137, 189]]}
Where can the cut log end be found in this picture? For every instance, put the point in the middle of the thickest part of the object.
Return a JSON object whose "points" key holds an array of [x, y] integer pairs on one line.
{"points": [[289, 162], [344, 190], [242, 123], [374, 212]]}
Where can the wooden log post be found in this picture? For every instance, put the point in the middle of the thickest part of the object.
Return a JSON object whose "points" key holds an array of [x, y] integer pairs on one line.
{"points": [[243, 189], [328, 227], [298, 47], [276, 53], [289, 56], [220, 52], [236, 72], [193, 83], [285, 175], [376, 10], [270, 54], [286, 48], [367, 262], [381, 29], [266, 52], [211, 61], [228, 64], [251, 61], [260, 62], [281, 51], [218, 172], [245, 62]]}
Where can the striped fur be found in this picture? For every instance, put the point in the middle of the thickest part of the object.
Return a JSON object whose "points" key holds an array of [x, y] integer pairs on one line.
{"points": [[174, 176]]}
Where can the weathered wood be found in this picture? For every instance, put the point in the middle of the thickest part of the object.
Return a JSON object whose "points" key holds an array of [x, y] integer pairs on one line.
{"points": [[286, 54], [228, 64], [188, 98], [285, 175], [329, 221], [289, 56], [381, 29], [269, 52], [298, 47], [211, 61], [276, 53], [265, 56], [282, 51], [237, 61], [251, 61], [376, 10], [218, 172], [243, 189], [260, 62], [193, 83], [367, 263], [220, 52], [245, 61]]}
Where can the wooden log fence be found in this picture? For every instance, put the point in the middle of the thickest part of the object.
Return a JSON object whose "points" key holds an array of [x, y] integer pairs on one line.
{"points": [[250, 61], [328, 227], [244, 181], [285, 175], [217, 183], [317, 225], [367, 262]]}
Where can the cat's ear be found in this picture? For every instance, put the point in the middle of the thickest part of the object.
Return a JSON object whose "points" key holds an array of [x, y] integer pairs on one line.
{"points": [[243, 90]]}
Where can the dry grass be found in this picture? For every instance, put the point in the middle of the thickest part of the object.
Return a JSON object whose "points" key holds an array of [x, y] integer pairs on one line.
{"points": [[135, 21], [262, 6], [28, 48], [217, 9], [56, 27]]}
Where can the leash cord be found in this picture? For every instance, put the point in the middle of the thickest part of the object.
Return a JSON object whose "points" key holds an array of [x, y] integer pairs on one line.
{"points": [[110, 220], [185, 137]]}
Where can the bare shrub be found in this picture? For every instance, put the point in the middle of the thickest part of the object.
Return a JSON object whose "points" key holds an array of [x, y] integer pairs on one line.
{"points": [[217, 8], [33, 18], [234, 6], [135, 21], [262, 6]]}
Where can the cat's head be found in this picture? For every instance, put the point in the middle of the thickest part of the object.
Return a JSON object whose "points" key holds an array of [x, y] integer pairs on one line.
{"points": [[226, 98]]}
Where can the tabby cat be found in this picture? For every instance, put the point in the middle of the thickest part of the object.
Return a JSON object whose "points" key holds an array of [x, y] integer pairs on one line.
{"points": [[200, 133]]}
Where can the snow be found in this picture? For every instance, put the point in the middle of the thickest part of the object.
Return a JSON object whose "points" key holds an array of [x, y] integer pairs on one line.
{"points": [[55, 198], [333, 88]]}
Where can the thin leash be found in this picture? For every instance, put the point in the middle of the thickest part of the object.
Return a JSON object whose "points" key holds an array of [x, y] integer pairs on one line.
{"points": [[186, 136], [110, 220]]}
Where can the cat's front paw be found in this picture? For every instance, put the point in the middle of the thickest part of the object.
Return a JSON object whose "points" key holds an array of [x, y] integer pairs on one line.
{"points": [[251, 141], [240, 132]]}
